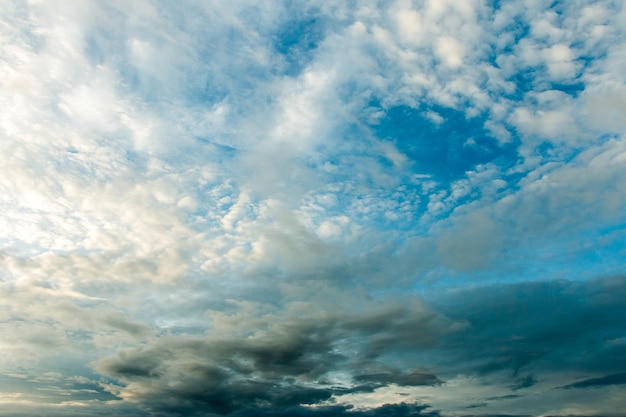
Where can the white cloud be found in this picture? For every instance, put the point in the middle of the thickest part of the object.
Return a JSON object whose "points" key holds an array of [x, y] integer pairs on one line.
{"points": [[450, 52], [560, 63]]}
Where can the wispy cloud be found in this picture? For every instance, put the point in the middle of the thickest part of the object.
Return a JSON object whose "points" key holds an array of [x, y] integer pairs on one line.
{"points": [[614, 379]]}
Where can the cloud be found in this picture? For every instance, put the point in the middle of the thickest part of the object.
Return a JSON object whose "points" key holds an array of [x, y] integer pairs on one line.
{"points": [[414, 378], [290, 363], [311, 208], [496, 415], [387, 410], [524, 382], [526, 327], [614, 379]]}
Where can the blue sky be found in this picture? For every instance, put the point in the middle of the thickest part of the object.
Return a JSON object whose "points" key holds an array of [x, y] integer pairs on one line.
{"points": [[313, 208]]}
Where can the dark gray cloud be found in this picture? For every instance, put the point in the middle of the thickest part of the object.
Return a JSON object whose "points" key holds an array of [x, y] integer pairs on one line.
{"points": [[394, 376], [614, 379], [529, 330], [524, 382], [387, 410], [537, 327], [502, 397], [615, 414], [495, 415], [284, 366], [485, 402]]}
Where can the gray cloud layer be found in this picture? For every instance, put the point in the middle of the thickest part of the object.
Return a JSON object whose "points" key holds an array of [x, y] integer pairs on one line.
{"points": [[532, 328], [283, 366]]}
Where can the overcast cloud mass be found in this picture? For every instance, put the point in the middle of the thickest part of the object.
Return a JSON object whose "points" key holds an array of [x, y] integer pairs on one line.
{"points": [[313, 208]]}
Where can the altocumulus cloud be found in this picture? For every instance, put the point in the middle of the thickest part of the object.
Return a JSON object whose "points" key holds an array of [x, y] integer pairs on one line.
{"points": [[400, 208]]}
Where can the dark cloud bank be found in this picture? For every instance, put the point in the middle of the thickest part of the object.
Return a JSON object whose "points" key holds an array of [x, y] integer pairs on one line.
{"points": [[528, 329], [279, 370], [540, 326]]}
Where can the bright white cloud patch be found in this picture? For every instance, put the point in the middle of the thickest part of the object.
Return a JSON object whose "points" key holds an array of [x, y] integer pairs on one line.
{"points": [[277, 208]]}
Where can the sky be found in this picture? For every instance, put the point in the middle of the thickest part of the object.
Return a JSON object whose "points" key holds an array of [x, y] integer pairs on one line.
{"points": [[313, 208]]}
